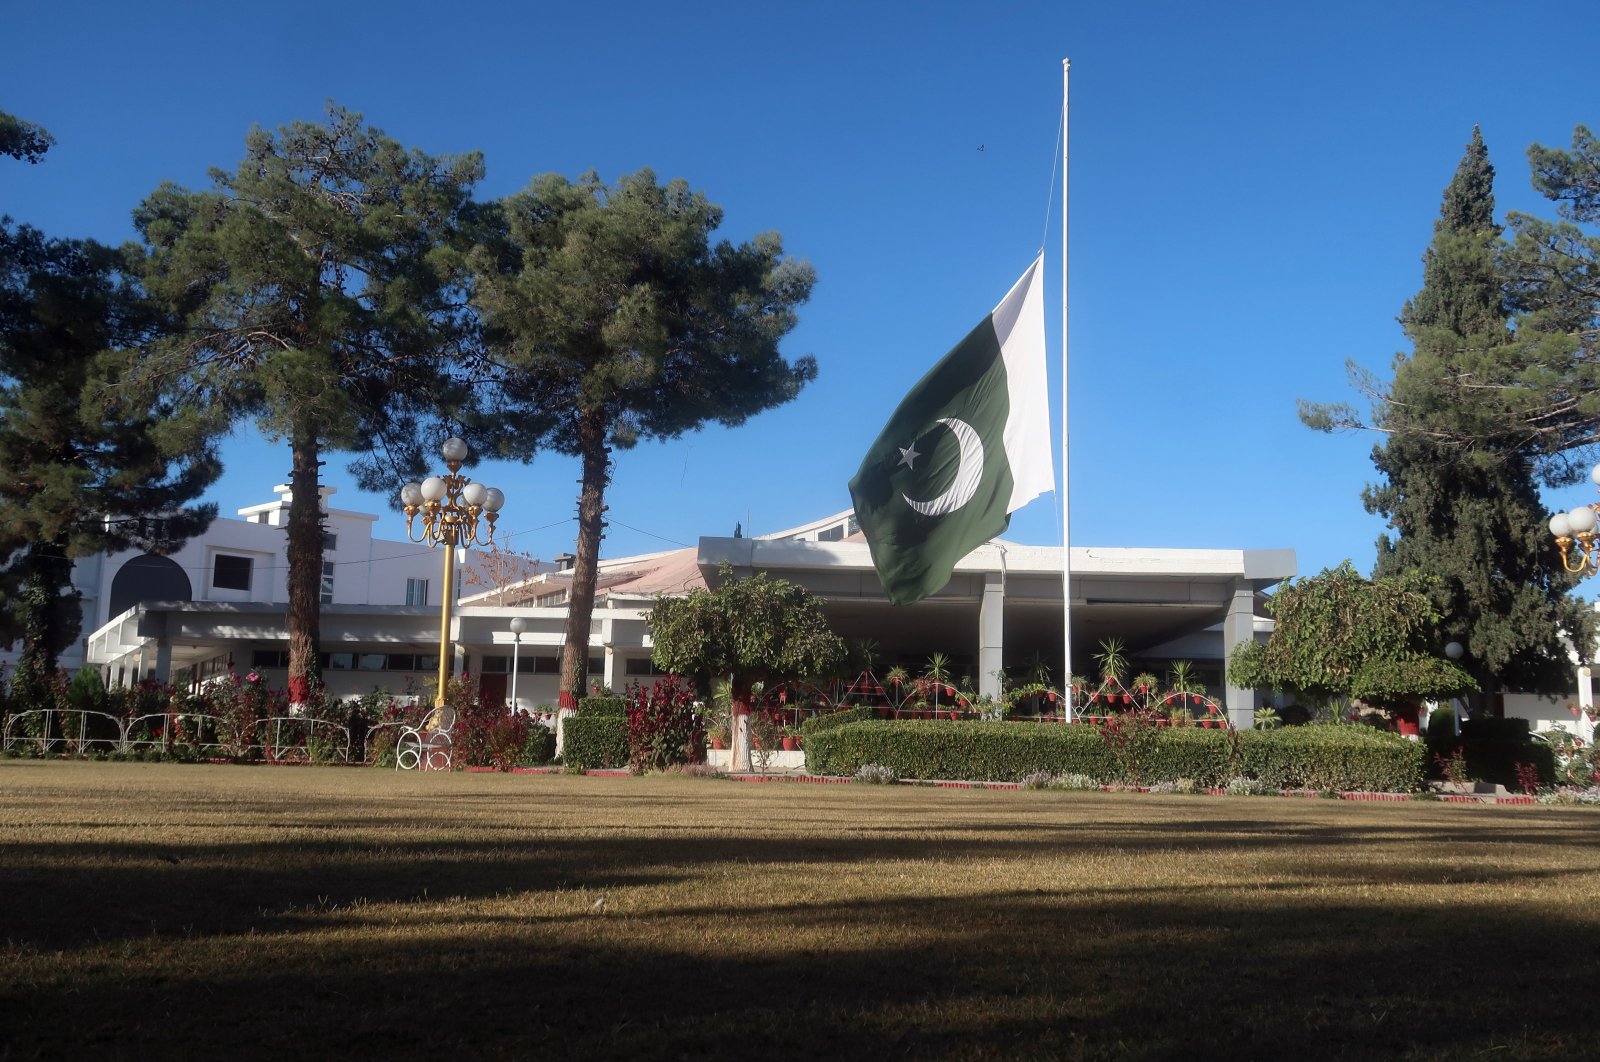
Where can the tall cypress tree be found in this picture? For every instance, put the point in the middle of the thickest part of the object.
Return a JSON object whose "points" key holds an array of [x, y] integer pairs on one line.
{"points": [[1464, 508]]}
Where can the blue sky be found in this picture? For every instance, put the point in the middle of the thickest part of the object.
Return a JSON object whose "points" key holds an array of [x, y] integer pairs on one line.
{"points": [[1252, 188]]}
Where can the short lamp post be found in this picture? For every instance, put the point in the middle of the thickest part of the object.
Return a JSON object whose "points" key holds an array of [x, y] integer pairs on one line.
{"points": [[451, 508], [1577, 528], [518, 625]]}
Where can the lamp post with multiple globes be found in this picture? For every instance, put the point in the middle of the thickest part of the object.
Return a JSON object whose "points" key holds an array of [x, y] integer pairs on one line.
{"points": [[455, 512], [1577, 528]]}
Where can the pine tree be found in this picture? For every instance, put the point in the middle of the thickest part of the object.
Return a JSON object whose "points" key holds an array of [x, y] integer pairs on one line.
{"points": [[320, 294], [1463, 505], [90, 468], [612, 318]]}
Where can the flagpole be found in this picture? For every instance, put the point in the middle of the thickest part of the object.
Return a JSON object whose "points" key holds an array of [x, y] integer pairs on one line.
{"points": [[1066, 522]]}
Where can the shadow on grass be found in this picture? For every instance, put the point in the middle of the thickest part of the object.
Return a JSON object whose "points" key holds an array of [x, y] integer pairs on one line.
{"points": [[1001, 976], [378, 932]]}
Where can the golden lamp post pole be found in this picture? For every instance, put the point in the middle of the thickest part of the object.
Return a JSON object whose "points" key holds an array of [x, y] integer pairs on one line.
{"points": [[1578, 528], [451, 508]]}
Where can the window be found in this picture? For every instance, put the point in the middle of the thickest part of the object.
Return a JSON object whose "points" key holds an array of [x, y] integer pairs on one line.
{"points": [[327, 582], [230, 573], [831, 534], [416, 591], [639, 666], [330, 541]]}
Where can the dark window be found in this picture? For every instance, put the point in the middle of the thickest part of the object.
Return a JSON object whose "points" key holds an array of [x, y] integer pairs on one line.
{"points": [[327, 582], [416, 591], [640, 665], [831, 534], [494, 665], [547, 665], [230, 572]]}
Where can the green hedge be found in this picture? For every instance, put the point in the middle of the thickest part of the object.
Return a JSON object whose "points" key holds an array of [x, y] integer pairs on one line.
{"points": [[818, 723], [1334, 757], [1321, 757], [598, 735], [610, 706]]}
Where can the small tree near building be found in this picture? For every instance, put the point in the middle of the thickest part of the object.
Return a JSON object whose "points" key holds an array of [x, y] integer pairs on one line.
{"points": [[1341, 638], [752, 630]]}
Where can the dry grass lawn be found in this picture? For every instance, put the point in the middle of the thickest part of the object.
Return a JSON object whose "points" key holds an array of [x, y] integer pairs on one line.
{"points": [[167, 911]]}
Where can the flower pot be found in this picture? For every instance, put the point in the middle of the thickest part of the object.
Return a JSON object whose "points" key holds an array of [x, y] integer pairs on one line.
{"points": [[883, 713], [1126, 699], [718, 743], [791, 744]]}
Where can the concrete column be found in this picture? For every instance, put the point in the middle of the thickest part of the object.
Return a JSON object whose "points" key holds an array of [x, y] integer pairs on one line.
{"points": [[163, 660], [991, 634], [610, 673], [1239, 628]]}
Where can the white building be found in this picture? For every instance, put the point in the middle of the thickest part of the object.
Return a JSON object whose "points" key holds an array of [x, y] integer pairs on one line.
{"points": [[239, 568]]}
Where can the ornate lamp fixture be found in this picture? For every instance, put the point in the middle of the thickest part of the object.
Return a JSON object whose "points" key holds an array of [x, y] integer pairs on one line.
{"points": [[455, 512], [1578, 527]]}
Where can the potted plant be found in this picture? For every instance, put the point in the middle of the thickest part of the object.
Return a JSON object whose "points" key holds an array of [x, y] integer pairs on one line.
{"points": [[1113, 661], [791, 738], [1183, 682], [718, 736]]}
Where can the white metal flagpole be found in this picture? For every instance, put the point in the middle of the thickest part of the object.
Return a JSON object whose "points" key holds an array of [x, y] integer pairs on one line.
{"points": [[1066, 522]]}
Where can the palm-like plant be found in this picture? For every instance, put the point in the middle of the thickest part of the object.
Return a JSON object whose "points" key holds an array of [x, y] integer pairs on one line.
{"points": [[937, 676], [1113, 661]]}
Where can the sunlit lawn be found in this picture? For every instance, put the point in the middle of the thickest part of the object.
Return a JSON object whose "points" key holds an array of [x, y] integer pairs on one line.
{"points": [[163, 911]]}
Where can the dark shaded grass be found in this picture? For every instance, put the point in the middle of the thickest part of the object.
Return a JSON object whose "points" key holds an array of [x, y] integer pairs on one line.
{"points": [[194, 912]]}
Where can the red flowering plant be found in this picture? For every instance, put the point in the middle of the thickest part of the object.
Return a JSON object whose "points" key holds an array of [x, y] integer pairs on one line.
{"points": [[240, 706], [666, 725], [488, 733]]}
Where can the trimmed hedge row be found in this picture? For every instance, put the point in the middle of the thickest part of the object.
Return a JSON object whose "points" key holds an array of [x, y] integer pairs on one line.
{"points": [[597, 737], [818, 723], [1310, 757]]}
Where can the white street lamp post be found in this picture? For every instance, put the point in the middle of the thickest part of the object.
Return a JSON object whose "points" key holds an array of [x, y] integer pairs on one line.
{"points": [[450, 507], [518, 625]]}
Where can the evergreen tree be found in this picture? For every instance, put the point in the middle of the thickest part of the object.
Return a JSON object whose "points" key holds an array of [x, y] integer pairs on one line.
{"points": [[1460, 495], [319, 292], [89, 468], [23, 140], [1338, 637], [1552, 394], [613, 318], [1537, 392]]}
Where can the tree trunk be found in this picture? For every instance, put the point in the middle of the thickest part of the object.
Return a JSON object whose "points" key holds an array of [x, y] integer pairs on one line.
{"points": [[591, 528], [305, 570]]}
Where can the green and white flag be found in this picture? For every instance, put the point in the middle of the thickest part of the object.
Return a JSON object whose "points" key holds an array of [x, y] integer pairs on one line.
{"points": [[967, 447]]}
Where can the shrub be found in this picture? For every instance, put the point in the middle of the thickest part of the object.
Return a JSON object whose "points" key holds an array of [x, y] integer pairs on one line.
{"points": [[1314, 757], [1333, 757], [539, 747], [1491, 750], [875, 774], [597, 737], [665, 726], [818, 723], [1242, 786]]}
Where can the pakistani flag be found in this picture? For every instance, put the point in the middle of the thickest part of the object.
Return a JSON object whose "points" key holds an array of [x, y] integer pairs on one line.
{"points": [[967, 447]]}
